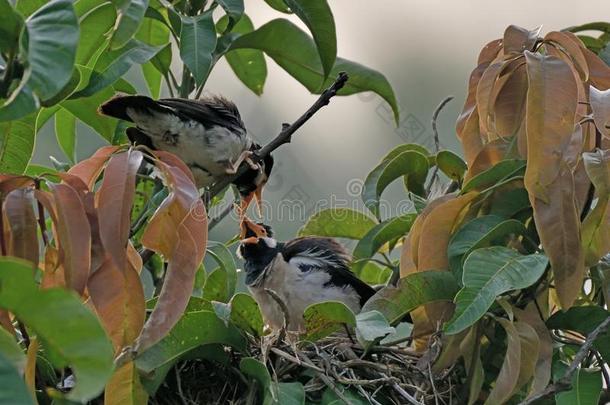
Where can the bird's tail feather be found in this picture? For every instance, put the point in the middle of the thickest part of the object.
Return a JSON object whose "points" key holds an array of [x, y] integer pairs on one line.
{"points": [[117, 106]]}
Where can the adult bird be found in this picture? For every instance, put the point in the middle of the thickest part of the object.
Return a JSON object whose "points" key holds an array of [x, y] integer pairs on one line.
{"points": [[207, 134], [302, 271]]}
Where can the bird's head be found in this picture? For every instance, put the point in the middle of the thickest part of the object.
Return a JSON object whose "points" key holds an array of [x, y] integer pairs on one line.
{"points": [[250, 185], [256, 240]]}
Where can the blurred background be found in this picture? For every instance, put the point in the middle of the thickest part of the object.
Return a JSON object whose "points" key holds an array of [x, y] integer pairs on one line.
{"points": [[425, 48]]}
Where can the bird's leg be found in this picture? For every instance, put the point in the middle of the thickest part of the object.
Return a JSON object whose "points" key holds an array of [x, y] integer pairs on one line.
{"points": [[245, 156]]}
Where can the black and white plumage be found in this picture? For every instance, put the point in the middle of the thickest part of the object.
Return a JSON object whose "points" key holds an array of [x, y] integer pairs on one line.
{"points": [[302, 271], [207, 134]]}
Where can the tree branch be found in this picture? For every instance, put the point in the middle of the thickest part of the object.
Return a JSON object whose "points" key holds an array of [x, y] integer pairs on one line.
{"points": [[565, 382], [437, 143], [285, 135]]}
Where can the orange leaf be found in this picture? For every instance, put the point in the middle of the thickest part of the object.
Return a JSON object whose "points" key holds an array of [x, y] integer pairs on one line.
{"points": [[436, 232], [551, 111], [178, 231], [74, 234], [30, 366], [125, 388], [89, 170], [114, 201], [558, 225], [509, 107], [53, 274], [118, 299], [509, 373], [22, 225]]}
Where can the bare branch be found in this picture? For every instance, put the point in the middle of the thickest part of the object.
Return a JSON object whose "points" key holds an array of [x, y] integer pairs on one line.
{"points": [[565, 382]]}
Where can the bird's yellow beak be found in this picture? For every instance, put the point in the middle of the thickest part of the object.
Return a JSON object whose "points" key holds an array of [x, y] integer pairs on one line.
{"points": [[250, 231]]}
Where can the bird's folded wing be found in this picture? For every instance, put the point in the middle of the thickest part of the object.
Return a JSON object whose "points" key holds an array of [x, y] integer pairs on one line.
{"points": [[209, 112]]}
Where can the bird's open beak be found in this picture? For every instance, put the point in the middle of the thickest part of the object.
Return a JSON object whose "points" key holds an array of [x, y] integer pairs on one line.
{"points": [[257, 195], [250, 231]]}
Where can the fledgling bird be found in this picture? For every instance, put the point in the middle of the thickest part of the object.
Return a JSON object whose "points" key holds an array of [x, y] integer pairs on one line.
{"points": [[207, 134], [302, 271]]}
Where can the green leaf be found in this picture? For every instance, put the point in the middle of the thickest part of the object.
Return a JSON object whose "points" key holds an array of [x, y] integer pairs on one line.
{"points": [[42, 311], [17, 140], [411, 164], [93, 27], [20, 103], [324, 318], [197, 43], [413, 290], [372, 273], [273, 393], [192, 330], [278, 5], [11, 26], [224, 259], [155, 33], [130, 16], [249, 65], [233, 8], [387, 231], [27, 7], [478, 233], [586, 389], [318, 17], [114, 64], [52, 39], [65, 132], [246, 314], [68, 89], [296, 53], [583, 320], [405, 147], [371, 326], [163, 59], [338, 223], [488, 273], [12, 387], [11, 351], [85, 109], [451, 164], [501, 171], [288, 393]]}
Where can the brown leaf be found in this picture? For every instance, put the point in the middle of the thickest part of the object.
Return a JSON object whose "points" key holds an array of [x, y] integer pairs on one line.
{"points": [[178, 231], [53, 273], [5, 322], [572, 48], [124, 387], [9, 182], [599, 72], [530, 348], [74, 236], [89, 170], [600, 104], [550, 116], [470, 348], [509, 373], [490, 51], [508, 111], [542, 372], [491, 154], [517, 39], [558, 225], [22, 225], [114, 200], [30, 366], [595, 227]]}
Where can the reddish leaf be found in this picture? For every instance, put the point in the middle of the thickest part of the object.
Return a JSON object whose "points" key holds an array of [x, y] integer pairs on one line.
{"points": [[599, 72], [74, 234], [571, 47], [53, 273], [551, 111], [9, 182], [558, 225], [125, 387], [22, 225], [178, 231], [509, 107], [114, 201], [89, 170]]}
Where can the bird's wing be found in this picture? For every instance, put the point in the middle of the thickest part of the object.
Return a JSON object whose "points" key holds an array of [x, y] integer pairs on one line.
{"points": [[325, 254], [117, 106], [208, 111]]}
